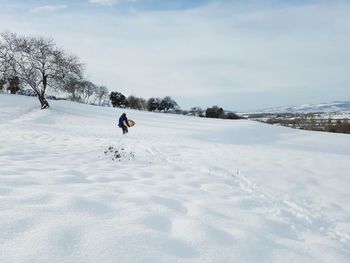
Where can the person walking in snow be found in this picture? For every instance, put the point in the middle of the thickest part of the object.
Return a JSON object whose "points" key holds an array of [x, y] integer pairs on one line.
{"points": [[123, 123]]}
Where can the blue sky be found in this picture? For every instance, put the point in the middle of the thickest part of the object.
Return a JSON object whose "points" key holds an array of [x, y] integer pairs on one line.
{"points": [[241, 55]]}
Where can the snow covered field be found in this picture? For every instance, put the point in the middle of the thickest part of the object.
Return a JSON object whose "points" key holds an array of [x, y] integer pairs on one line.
{"points": [[197, 190]]}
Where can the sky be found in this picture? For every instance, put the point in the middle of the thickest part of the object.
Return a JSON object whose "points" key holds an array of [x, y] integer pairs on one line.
{"points": [[239, 55]]}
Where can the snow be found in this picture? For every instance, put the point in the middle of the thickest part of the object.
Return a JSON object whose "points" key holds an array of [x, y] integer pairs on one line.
{"points": [[188, 189], [336, 115], [331, 107]]}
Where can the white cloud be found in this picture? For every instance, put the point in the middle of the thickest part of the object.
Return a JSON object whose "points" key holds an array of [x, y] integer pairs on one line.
{"points": [[49, 8], [104, 2]]}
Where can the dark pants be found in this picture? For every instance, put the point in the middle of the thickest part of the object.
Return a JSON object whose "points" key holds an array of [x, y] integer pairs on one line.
{"points": [[125, 129]]}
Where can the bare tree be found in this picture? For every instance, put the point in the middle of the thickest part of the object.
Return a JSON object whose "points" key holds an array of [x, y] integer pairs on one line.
{"points": [[7, 49], [101, 94], [196, 111], [88, 89], [73, 87], [2, 83], [143, 103], [37, 62]]}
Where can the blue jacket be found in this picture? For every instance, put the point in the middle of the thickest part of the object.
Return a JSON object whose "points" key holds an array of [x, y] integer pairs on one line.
{"points": [[122, 119]]}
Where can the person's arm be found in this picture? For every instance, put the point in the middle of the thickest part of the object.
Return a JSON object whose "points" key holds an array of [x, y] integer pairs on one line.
{"points": [[126, 121]]}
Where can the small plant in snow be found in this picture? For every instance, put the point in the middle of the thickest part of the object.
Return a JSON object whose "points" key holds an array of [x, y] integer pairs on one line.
{"points": [[119, 153]]}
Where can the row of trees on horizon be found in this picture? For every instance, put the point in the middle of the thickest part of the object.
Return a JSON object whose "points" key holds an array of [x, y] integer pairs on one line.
{"points": [[39, 64], [167, 104], [152, 104]]}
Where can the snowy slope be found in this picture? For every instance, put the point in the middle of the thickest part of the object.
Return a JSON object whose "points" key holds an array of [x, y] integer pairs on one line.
{"points": [[198, 190]]}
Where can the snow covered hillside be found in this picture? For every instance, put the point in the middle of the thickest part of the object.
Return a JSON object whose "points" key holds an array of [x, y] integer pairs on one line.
{"points": [[186, 189], [308, 108]]}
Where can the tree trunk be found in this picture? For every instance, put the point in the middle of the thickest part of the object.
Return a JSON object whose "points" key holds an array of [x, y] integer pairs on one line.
{"points": [[41, 95], [43, 101], [13, 85]]}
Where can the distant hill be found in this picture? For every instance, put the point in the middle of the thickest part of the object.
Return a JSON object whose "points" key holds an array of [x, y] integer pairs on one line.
{"points": [[321, 107]]}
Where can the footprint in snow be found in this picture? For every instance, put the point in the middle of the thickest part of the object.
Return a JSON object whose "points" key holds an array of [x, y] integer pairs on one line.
{"points": [[179, 248], [159, 223], [65, 241], [170, 203], [92, 207]]}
